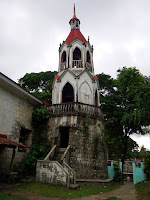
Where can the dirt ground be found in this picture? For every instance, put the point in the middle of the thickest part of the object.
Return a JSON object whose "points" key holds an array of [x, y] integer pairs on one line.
{"points": [[125, 192]]}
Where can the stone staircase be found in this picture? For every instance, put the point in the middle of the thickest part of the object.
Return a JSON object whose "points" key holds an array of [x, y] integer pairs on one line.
{"points": [[59, 154], [54, 169]]}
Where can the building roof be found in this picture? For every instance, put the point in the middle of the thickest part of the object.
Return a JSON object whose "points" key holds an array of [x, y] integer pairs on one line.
{"points": [[95, 77], [16, 89], [9, 143], [75, 33]]}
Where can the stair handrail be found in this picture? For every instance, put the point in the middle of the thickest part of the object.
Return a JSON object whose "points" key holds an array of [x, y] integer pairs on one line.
{"points": [[51, 153], [71, 171], [65, 153]]}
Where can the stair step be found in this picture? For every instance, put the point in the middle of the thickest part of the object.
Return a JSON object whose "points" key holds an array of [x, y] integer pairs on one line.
{"points": [[62, 149], [74, 186]]}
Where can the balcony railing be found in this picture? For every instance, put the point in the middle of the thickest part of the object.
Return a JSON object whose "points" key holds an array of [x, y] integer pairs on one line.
{"points": [[77, 64], [63, 65], [76, 109]]}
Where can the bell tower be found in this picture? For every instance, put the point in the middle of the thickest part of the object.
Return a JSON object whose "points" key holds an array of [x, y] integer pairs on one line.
{"points": [[75, 128], [76, 81]]}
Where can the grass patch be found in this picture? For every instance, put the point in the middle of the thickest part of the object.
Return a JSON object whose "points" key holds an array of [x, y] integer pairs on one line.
{"points": [[58, 191], [143, 190], [5, 196]]}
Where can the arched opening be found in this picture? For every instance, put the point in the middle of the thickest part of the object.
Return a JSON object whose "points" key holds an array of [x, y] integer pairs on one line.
{"points": [[88, 58], [77, 54], [77, 62], [63, 57], [96, 99], [67, 93], [63, 61]]}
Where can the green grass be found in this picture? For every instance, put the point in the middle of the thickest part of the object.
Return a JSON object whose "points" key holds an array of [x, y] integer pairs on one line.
{"points": [[58, 191], [5, 196], [143, 190], [111, 198]]}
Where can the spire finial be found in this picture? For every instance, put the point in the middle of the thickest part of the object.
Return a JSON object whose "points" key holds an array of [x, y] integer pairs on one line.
{"points": [[74, 10]]}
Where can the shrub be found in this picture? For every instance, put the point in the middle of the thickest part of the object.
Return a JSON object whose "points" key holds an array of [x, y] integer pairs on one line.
{"points": [[147, 164], [117, 176]]}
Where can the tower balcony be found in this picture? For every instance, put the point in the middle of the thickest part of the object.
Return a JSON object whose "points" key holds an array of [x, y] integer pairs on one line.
{"points": [[75, 108], [77, 64]]}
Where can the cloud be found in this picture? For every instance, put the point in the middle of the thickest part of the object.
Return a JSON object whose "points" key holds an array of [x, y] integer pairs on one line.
{"points": [[142, 139]]}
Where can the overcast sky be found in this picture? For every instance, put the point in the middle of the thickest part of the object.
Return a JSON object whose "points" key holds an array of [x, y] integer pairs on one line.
{"points": [[31, 31]]}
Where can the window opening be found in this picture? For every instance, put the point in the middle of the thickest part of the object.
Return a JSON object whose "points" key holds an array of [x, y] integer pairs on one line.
{"points": [[63, 57], [77, 54], [88, 59], [96, 99], [24, 138]]}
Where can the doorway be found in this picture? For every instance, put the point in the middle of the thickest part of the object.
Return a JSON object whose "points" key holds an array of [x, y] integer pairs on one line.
{"points": [[64, 136]]}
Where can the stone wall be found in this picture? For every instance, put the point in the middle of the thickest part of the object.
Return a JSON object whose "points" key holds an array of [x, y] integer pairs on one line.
{"points": [[51, 172], [88, 156], [15, 113]]}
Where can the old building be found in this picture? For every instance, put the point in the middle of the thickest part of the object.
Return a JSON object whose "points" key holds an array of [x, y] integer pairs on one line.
{"points": [[75, 129], [16, 107]]}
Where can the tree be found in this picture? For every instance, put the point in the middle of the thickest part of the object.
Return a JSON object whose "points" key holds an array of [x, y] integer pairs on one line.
{"points": [[126, 106], [114, 141], [39, 84]]}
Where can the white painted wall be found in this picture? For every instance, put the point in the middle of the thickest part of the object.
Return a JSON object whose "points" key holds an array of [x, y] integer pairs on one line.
{"points": [[84, 86]]}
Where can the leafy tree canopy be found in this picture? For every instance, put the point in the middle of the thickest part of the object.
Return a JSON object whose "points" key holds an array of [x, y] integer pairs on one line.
{"points": [[126, 106], [39, 84]]}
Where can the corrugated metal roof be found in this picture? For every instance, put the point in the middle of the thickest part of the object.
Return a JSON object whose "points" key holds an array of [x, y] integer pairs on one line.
{"points": [[10, 143]]}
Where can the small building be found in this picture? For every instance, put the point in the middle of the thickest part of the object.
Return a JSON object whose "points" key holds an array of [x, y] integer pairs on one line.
{"points": [[16, 107], [75, 129]]}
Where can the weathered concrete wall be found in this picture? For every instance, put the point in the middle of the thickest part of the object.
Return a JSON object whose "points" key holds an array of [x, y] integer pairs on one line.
{"points": [[15, 113], [51, 172], [88, 156]]}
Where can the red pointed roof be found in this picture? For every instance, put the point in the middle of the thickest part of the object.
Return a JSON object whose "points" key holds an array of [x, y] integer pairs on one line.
{"points": [[56, 76], [75, 33], [95, 77]]}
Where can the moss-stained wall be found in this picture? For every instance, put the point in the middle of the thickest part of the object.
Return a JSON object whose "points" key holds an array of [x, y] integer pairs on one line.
{"points": [[15, 113], [88, 156]]}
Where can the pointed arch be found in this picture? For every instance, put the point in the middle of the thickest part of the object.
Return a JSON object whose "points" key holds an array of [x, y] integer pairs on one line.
{"points": [[77, 54], [63, 57], [85, 93], [77, 58], [67, 93], [88, 57]]}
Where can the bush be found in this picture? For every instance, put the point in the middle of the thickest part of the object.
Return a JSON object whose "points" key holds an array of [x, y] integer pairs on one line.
{"points": [[117, 176], [27, 167], [147, 164]]}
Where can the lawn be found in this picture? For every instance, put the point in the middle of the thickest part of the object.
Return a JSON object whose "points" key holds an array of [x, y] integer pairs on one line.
{"points": [[5, 196], [58, 191], [143, 190]]}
